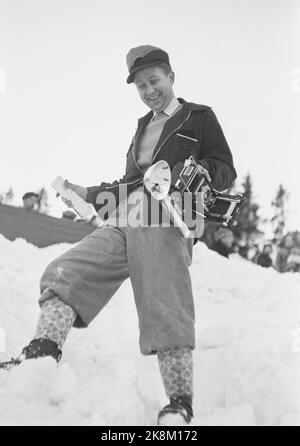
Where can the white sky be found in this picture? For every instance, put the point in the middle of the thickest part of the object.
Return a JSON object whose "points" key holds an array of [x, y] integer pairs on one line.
{"points": [[65, 107]]}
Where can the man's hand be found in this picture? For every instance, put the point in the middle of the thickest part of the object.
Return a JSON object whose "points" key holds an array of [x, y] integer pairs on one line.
{"points": [[204, 171], [80, 190]]}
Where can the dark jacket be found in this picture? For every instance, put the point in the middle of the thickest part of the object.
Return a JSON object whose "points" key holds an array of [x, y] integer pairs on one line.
{"points": [[264, 260], [282, 259], [193, 130], [221, 249]]}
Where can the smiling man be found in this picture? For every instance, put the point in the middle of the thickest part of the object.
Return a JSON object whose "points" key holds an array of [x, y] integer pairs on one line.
{"points": [[76, 286], [155, 86]]}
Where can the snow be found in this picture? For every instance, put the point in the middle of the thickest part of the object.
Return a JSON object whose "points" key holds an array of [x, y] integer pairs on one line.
{"points": [[247, 360]]}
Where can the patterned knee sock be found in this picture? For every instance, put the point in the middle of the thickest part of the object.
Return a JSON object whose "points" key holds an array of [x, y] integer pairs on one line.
{"points": [[176, 368], [55, 321]]}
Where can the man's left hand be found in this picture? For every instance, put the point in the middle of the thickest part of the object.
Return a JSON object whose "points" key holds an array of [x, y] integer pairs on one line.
{"points": [[205, 172]]}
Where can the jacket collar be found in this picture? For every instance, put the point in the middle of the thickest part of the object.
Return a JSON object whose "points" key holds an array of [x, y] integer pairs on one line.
{"points": [[170, 126], [186, 105]]}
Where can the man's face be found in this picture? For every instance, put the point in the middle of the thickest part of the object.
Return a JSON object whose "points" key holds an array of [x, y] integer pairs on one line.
{"points": [[30, 202], [155, 87], [227, 239], [268, 249], [289, 242]]}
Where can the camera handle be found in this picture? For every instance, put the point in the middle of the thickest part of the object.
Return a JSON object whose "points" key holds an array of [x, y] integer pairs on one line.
{"points": [[157, 180]]}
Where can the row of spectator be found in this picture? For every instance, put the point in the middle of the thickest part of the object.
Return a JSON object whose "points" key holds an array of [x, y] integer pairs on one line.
{"points": [[30, 203], [284, 257]]}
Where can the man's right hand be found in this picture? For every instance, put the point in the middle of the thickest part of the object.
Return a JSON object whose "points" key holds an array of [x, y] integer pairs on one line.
{"points": [[80, 190]]}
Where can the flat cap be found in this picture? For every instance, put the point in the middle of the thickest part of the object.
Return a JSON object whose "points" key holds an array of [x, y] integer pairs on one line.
{"points": [[29, 195], [144, 56]]}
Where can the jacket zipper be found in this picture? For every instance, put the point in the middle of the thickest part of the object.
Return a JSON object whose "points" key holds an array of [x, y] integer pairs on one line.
{"points": [[133, 155], [174, 131], [135, 162]]}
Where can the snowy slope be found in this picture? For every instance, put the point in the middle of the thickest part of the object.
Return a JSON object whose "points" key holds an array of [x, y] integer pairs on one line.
{"points": [[247, 367]]}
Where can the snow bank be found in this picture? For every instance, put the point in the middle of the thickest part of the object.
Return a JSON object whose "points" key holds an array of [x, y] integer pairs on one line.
{"points": [[247, 361]]}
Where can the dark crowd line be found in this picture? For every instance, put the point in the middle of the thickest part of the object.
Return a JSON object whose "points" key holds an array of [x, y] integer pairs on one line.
{"points": [[30, 203], [284, 256]]}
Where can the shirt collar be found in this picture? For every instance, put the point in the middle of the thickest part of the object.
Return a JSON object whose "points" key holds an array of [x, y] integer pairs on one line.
{"points": [[170, 109]]}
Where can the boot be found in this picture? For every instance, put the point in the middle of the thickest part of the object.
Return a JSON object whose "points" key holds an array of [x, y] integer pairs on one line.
{"points": [[38, 348], [180, 409]]}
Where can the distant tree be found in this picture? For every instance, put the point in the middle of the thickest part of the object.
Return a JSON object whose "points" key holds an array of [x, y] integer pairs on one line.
{"points": [[280, 213], [247, 227], [42, 203], [7, 197]]}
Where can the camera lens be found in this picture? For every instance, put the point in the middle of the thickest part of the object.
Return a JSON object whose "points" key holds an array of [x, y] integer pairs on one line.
{"points": [[206, 194]]}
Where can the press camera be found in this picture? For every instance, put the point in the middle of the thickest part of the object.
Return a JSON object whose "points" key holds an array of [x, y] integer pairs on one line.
{"points": [[191, 177]]}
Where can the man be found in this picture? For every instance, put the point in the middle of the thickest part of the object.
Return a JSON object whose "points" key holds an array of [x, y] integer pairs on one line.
{"points": [[69, 215], [223, 242], [264, 259], [285, 248], [293, 260], [30, 200], [77, 285]]}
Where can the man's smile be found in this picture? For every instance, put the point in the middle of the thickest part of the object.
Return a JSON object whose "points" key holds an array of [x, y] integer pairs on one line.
{"points": [[154, 98]]}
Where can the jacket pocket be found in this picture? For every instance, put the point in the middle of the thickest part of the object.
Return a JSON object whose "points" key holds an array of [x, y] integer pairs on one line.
{"points": [[188, 135], [188, 144]]}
